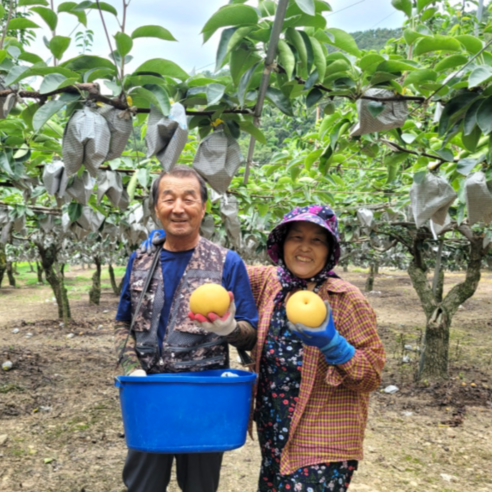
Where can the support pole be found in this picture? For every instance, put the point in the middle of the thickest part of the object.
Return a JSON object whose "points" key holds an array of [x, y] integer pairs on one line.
{"points": [[272, 50]]}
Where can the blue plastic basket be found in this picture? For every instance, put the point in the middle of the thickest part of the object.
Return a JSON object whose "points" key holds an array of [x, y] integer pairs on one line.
{"points": [[192, 412]]}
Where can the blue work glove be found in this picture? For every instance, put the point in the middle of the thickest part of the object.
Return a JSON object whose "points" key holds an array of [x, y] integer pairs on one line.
{"points": [[155, 237], [326, 337]]}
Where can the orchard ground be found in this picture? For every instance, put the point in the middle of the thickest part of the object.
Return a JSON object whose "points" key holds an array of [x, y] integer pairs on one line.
{"points": [[60, 421]]}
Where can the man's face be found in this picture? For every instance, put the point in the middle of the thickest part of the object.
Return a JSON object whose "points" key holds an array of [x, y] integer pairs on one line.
{"points": [[179, 207]]}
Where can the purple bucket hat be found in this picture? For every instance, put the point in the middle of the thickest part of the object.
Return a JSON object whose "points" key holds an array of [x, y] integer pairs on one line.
{"points": [[317, 214]]}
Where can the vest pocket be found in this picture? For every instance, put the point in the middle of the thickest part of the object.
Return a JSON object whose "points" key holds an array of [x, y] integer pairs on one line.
{"points": [[217, 362], [148, 355], [209, 355]]}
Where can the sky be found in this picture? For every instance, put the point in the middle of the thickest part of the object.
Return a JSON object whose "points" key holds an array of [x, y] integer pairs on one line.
{"points": [[185, 19]]}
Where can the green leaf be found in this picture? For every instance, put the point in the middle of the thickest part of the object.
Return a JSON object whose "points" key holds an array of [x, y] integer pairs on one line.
{"points": [[68, 7], [106, 7], [26, 3], [15, 74], [223, 49], [313, 97], [47, 15], [436, 43], [214, 93], [244, 83], [124, 43], [375, 108], [262, 208], [278, 98], [344, 41], [240, 60], [317, 21], [58, 45], [5, 164], [471, 43], [453, 108], [74, 212], [479, 75], [403, 5], [286, 58], [161, 97], [484, 116], [465, 166], [311, 158], [309, 50], [51, 82], [368, 63], [240, 33], [471, 140], [395, 66], [86, 62], [420, 76], [163, 67], [132, 185], [318, 58], [307, 6], [293, 36], [2, 11], [45, 112], [28, 113], [229, 15], [428, 14], [249, 127], [153, 32], [452, 61], [446, 154], [21, 23], [411, 36], [421, 4], [392, 161], [470, 119], [30, 57]]}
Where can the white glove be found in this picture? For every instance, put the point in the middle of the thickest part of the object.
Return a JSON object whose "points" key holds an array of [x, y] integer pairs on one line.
{"points": [[138, 372], [220, 325]]}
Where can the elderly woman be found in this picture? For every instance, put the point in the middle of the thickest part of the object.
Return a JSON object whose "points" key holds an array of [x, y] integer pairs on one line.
{"points": [[314, 383]]}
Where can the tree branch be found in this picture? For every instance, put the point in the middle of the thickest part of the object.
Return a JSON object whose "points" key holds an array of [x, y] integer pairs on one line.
{"points": [[399, 148]]}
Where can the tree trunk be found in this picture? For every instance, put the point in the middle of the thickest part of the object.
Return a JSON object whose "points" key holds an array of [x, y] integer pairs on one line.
{"points": [[116, 288], [31, 268], [10, 274], [48, 261], [95, 292], [39, 270], [3, 262], [439, 312], [370, 278], [435, 349]]}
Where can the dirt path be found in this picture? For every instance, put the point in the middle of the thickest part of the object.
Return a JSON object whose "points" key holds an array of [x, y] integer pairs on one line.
{"points": [[60, 422]]}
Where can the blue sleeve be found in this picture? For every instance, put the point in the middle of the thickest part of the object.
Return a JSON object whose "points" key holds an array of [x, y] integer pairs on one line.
{"points": [[124, 312], [235, 278]]}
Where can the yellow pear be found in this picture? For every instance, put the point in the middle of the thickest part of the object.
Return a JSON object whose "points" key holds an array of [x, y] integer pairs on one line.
{"points": [[306, 307], [209, 298]]}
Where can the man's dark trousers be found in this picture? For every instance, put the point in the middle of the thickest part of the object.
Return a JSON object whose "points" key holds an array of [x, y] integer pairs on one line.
{"points": [[151, 472]]}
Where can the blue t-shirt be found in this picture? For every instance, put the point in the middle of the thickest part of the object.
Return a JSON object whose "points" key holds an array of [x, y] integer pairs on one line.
{"points": [[234, 279]]}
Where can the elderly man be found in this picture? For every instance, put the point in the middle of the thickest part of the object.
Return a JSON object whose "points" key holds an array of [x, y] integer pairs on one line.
{"points": [[155, 295]]}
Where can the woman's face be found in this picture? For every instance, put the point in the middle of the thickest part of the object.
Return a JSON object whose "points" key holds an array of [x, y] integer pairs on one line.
{"points": [[306, 249]]}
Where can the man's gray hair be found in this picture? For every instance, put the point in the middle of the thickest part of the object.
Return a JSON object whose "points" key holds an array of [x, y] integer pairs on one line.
{"points": [[180, 171]]}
